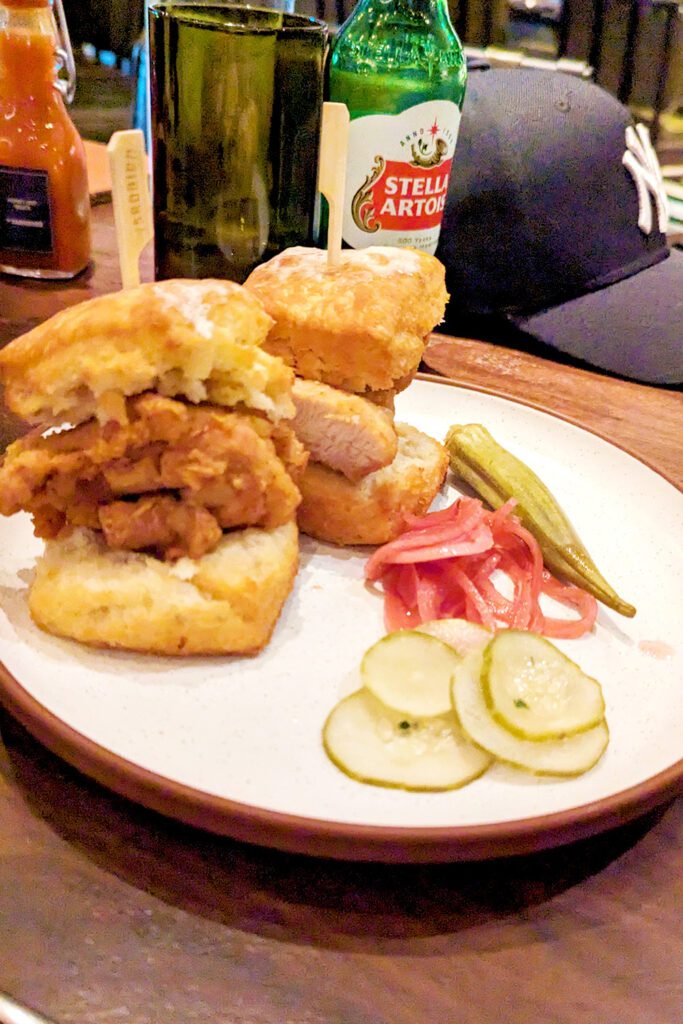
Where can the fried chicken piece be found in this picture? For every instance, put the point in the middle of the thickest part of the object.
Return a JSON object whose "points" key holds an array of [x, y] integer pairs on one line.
{"points": [[341, 430], [134, 476], [169, 527], [236, 464], [387, 398], [290, 449]]}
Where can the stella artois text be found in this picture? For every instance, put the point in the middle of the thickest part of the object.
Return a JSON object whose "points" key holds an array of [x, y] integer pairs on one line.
{"points": [[404, 119]]}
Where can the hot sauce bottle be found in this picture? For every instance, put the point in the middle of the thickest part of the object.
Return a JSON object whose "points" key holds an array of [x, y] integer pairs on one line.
{"points": [[399, 67], [44, 198]]}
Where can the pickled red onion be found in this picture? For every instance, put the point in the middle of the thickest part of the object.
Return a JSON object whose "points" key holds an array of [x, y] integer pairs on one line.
{"points": [[442, 567]]}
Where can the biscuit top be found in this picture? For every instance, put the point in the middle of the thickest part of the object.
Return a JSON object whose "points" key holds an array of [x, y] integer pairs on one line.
{"points": [[357, 267], [360, 326], [375, 289], [199, 339], [375, 261], [191, 300], [200, 306]]}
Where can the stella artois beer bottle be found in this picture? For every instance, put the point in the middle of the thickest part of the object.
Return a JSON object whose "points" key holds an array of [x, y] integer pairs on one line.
{"points": [[399, 67]]}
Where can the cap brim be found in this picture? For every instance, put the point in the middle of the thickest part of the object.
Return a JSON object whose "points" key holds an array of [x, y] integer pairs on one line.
{"points": [[633, 328]]}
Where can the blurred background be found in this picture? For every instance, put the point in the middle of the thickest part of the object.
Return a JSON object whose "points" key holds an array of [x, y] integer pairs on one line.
{"points": [[633, 48]]}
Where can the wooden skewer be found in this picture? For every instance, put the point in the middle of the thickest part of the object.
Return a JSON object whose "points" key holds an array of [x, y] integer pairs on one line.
{"points": [[131, 201], [334, 138]]}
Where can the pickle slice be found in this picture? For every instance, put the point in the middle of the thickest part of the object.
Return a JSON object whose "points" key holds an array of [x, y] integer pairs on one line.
{"points": [[535, 691], [410, 672], [461, 635], [571, 755], [373, 744]]}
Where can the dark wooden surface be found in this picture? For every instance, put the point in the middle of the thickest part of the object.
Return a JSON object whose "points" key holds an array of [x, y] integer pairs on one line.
{"points": [[110, 914]]}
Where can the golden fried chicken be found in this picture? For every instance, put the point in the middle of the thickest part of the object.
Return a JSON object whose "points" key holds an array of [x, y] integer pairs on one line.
{"points": [[215, 470], [160, 523]]}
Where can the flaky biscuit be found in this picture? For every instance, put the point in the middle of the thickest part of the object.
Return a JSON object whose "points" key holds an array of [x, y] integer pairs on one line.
{"points": [[226, 602], [361, 326], [198, 339], [373, 510]]}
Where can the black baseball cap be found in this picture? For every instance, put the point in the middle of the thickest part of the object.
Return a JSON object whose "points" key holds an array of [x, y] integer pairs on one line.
{"points": [[555, 226]]}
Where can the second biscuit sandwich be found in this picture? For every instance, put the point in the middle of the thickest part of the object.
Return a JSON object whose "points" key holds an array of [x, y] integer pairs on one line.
{"points": [[355, 335]]}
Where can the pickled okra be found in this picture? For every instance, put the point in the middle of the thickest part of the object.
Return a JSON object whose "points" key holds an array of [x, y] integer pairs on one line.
{"points": [[497, 475]]}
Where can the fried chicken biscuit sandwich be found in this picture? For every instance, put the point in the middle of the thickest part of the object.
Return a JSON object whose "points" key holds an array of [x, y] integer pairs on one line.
{"points": [[354, 335], [167, 496]]}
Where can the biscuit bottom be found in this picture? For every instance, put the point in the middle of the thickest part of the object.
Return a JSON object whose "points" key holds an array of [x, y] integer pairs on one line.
{"points": [[226, 602], [374, 510]]}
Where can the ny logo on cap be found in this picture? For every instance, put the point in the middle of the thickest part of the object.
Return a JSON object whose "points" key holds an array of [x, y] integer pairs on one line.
{"points": [[641, 161]]}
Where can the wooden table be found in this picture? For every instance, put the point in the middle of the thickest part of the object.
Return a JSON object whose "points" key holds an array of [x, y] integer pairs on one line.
{"points": [[110, 914]]}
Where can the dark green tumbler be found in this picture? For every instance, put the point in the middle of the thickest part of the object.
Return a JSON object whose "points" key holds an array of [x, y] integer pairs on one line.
{"points": [[236, 105]]}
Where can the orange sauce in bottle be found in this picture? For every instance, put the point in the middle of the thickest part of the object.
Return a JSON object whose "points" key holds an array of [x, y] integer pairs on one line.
{"points": [[44, 197]]}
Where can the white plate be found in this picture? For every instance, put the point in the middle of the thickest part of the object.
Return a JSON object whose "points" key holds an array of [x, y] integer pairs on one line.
{"points": [[233, 744]]}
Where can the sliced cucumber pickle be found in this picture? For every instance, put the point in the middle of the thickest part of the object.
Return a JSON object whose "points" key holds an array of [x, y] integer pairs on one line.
{"points": [[536, 692], [373, 744], [461, 635], [410, 672], [571, 755]]}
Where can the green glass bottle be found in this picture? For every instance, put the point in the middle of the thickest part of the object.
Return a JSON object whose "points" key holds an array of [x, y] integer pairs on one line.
{"points": [[400, 68]]}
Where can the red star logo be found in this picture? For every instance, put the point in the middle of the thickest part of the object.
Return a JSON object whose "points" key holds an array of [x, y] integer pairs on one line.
{"points": [[434, 129]]}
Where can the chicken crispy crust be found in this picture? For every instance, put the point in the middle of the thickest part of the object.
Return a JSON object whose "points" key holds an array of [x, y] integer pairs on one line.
{"points": [[216, 470], [160, 523]]}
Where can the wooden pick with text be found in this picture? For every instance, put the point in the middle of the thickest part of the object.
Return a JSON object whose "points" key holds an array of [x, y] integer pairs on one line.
{"points": [[334, 138], [131, 200]]}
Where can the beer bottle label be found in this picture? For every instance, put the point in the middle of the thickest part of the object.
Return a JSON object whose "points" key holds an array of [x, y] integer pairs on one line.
{"points": [[25, 210], [397, 176]]}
